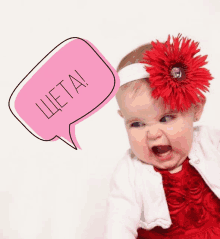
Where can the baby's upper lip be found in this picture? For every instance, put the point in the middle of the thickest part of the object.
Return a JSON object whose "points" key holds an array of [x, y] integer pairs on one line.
{"points": [[159, 149]]}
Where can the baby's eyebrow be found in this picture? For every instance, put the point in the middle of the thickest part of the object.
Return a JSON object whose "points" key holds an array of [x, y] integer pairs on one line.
{"points": [[171, 112]]}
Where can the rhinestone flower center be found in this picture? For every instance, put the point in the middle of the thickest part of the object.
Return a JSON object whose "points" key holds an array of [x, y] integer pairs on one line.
{"points": [[176, 72]]}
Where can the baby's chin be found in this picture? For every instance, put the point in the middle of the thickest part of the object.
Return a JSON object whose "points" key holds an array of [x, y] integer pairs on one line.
{"points": [[171, 168]]}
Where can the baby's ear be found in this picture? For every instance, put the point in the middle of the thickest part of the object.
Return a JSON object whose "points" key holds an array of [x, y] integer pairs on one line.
{"points": [[119, 112], [199, 107]]}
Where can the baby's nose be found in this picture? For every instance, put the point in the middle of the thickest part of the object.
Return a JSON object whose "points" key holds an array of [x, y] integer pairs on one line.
{"points": [[153, 133]]}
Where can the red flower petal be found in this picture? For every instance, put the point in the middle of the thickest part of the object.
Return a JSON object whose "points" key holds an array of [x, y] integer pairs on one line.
{"points": [[178, 93]]}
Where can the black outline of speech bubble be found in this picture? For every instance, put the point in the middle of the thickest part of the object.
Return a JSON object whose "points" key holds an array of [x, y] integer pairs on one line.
{"points": [[74, 146]]}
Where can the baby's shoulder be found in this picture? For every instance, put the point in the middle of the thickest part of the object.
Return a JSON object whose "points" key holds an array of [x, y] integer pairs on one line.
{"points": [[125, 166]]}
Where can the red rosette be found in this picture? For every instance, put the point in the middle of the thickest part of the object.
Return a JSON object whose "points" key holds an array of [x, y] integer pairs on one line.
{"points": [[176, 74]]}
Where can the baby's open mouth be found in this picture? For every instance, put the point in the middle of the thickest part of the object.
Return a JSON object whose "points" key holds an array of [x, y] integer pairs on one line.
{"points": [[161, 149]]}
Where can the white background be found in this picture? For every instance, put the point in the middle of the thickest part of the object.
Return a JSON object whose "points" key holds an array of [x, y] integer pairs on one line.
{"points": [[47, 189]]}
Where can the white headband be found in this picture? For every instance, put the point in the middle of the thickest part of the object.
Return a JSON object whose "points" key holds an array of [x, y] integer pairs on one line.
{"points": [[133, 72]]}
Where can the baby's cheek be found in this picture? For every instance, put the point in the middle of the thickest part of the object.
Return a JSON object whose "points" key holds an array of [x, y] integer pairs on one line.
{"points": [[138, 144], [182, 139], [137, 137], [181, 128]]}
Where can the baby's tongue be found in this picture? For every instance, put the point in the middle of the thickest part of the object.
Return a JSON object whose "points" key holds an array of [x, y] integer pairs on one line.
{"points": [[160, 149]]}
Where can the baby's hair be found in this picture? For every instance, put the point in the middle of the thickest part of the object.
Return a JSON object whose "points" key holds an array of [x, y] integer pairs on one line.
{"points": [[136, 56]]}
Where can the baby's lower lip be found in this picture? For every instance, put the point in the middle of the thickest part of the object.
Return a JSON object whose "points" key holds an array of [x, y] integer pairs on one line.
{"points": [[167, 156]]}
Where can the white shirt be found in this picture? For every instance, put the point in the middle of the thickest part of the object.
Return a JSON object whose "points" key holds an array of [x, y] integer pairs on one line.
{"points": [[137, 198]]}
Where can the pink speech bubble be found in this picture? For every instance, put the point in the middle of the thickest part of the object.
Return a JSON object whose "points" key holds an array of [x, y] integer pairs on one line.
{"points": [[69, 84]]}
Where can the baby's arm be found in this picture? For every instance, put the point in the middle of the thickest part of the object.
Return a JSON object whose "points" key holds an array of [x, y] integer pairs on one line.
{"points": [[123, 210]]}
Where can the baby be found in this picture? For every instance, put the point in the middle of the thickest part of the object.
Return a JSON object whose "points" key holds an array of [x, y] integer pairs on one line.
{"points": [[168, 183]]}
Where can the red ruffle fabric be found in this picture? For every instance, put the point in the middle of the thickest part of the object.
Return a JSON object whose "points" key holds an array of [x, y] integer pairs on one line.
{"points": [[194, 208]]}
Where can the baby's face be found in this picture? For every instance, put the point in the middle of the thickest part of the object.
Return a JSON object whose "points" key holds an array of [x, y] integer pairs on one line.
{"points": [[150, 126]]}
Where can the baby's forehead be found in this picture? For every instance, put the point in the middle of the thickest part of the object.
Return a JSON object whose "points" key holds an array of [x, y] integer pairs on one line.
{"points": [[141, 102], [133, 93]]}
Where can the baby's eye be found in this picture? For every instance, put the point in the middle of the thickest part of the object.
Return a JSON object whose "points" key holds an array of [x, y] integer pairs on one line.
{"points": [[170, 117], [136, 124]]}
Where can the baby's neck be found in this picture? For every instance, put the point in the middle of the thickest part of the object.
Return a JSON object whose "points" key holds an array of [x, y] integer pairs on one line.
{"points": [[176, 170]]}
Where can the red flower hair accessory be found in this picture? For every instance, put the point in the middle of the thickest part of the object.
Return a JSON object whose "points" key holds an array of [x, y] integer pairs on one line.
{"points": [[176, 74]]}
